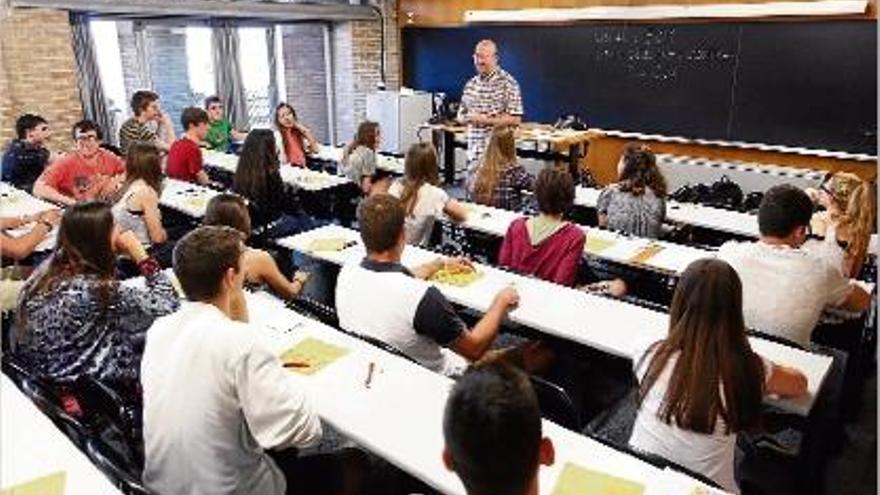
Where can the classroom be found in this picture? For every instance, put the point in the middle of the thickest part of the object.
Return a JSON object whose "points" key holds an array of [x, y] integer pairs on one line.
{"points": [[438, 247]]}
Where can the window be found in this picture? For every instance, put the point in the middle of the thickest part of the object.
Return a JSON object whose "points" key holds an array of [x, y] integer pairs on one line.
{"points": [[200, 62], [253, 59], [109, 60]]}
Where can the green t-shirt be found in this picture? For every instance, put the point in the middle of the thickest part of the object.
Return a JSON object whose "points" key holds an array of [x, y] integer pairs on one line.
{"points": [[219, 132]]}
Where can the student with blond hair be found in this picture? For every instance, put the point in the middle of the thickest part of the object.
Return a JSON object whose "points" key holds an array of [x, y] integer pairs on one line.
{"points": [[846, 224], [500, 181]]}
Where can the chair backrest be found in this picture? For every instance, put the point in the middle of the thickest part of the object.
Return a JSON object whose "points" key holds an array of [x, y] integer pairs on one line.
{"points": [[50, 403], [555, 403], [112, 463]]}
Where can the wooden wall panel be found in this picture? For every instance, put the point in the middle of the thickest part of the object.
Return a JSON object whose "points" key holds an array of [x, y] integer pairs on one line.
{"points": [[604, 153]]}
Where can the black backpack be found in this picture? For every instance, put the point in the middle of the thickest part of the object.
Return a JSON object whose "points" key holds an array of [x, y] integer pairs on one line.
{"points": [[725, 193]]}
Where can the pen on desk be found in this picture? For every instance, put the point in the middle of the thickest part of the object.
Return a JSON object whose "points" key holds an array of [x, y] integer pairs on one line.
{"points": [[370, 369], [296, 364]]}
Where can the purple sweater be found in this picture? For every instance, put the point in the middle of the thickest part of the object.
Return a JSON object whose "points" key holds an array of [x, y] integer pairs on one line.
{"points": [[554, 259]]}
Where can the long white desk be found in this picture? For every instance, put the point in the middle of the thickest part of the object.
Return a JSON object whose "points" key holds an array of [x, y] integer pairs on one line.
{"points": [[14, 203], [399, 417], [671, 258], [33, 447], [388, 163], [601, 323], [299, 177], [733, 222], [186, 197]]}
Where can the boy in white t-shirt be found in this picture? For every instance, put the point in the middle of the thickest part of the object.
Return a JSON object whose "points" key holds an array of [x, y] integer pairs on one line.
{"points": [[785, 289]]}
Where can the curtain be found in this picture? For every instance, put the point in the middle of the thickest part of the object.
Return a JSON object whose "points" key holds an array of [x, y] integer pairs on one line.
{"points": [[91, 91], [274, 94], [227, 72]]}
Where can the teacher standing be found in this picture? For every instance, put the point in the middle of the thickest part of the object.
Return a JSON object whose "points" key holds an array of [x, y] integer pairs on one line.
{"points": [[491, 98]]}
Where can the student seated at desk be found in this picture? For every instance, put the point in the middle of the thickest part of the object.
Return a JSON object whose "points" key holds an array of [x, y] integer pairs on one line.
{"points": [[785, 288], [137, 209], [293, 140], [89, 172], [500, 181], [381, 298], [422, 200], [636, 203], [240, 401], [26, 157], [149, 123], [258, 178], [185, 160], [19, 248], [703, 384], [220, 130], [359, 160], [74, 318], [492, 432], [846, 224], [230, 210], [546, 246]]}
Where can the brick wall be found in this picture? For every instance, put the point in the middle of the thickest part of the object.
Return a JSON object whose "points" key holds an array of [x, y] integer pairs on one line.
{"points": [[305, 75], [37, 75], [357, 65]]}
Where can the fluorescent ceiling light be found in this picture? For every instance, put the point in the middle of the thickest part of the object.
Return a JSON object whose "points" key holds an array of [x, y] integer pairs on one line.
{"points": [[649, 12]]}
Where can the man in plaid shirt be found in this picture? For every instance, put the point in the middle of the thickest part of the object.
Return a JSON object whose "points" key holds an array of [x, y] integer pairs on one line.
{"points": [[491, 98]]}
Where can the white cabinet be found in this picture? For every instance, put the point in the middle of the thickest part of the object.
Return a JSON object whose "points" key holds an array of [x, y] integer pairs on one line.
{"points": [[399, 115]]}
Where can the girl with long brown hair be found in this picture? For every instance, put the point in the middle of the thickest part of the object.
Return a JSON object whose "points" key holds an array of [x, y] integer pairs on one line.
{"points": [[75, 318], [420, 196], [230, 210], [500, 180], [258, 178], [702, 384], [359, 160], [293, 140], [137, 208], [846, 224], [636, 203]]}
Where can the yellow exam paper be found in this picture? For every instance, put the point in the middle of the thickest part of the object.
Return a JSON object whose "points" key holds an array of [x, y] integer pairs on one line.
{"points": [[596, 245], [51, 484], [456, 278], [313, 353], [577, 480], [327, 244]]}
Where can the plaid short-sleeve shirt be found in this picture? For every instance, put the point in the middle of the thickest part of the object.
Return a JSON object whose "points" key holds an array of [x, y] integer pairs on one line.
{"points": [[491, 94]]}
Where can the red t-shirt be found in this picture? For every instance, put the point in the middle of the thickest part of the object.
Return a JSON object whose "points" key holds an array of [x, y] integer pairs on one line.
{"points": [[293, 147], [80, 179], [554, 259], [184, 160]]}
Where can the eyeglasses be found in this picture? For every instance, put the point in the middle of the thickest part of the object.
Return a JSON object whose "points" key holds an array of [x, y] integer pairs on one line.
{"points": [[215, 107], [87, 137]]}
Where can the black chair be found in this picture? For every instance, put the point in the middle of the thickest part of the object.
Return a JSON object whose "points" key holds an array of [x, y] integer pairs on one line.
{"points": [[114, 464], [315, 310], [121, 413], [555, 403], [49, 401], [14, 368]]}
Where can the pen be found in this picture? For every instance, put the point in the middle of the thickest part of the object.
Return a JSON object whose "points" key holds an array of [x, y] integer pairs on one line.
{"points": [[296, 364], [370, 369]]}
